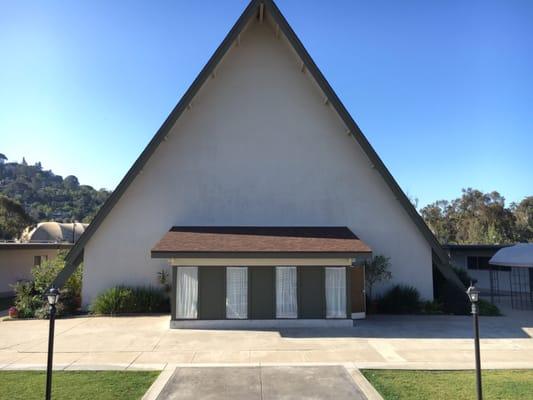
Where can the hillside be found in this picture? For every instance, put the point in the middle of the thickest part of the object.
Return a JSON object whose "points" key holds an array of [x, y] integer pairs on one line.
{"points": [[44, 195]]}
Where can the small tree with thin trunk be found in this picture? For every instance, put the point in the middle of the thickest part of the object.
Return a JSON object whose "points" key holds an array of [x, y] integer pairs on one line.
{"points": [[376, 270]]}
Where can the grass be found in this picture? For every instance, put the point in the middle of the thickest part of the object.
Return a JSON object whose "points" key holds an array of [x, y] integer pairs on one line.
{"points": [[80, 385], [457, 385], [6, 302]]}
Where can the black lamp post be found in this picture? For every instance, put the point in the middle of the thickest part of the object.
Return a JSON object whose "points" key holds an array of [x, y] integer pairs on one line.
{"points": [[53, 296], [473, 295]]}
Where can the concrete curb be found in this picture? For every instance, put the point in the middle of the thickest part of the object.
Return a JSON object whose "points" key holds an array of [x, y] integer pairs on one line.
{"points": [[435, 366], [158, 385], [364, 385]]}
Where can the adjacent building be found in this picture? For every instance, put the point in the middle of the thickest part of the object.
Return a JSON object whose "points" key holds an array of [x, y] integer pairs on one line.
{"points": [[37, 244], [474, 259]]}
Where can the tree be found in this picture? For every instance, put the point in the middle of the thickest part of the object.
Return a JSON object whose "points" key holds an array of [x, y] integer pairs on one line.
{"points": [[13, 219], [3, 158], [474, 218], [47, 196], [440, 220], [376, 270], [29, 295], [523, 213]]}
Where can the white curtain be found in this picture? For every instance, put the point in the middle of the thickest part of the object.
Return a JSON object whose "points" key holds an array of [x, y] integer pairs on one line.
{"points": [[187, 293], [286, 293], [336, 292], [237, 292]]}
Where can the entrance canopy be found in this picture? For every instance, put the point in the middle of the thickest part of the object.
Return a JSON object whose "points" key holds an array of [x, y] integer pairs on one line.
{"points": [[272, 274], [259, 242], [519, 255]]}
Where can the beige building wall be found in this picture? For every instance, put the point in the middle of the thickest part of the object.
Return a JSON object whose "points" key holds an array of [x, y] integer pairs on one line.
{"points": [[16, 264], [259, 146]]}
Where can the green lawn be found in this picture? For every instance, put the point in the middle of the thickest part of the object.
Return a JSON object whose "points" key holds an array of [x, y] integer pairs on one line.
{"points": [[445, 385], [79, 385]]}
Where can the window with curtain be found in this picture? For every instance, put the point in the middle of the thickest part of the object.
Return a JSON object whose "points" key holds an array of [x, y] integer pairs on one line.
{"points": [[187, 293], [237, 292], [286, 293], [336, 292]]}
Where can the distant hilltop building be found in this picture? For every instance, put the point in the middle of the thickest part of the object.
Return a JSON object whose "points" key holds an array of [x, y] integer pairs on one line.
{"points": [[53, 232]]}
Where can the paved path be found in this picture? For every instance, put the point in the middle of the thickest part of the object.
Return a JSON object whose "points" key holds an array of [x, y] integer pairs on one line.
{"points": [[425, 342], [261, 383]]}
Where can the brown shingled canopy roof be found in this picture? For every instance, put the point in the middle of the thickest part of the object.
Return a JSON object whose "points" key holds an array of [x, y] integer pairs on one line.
{"points": [[233, 241]]}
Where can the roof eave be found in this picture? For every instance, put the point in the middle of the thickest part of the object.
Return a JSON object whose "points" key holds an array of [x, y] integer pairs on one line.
{"points": [[257, 254]]}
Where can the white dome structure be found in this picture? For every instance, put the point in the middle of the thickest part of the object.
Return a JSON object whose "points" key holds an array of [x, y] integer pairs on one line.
{"points": [[54, 232]]}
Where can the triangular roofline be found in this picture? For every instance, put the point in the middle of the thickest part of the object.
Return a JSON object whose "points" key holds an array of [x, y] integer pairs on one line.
{"points": [[75, 255]]}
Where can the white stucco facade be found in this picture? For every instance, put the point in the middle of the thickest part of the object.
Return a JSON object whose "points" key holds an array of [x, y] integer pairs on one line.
{"points": [[259, 146]]}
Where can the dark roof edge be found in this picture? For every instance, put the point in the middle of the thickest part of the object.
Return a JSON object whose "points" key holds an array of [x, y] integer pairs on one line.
{"points": [[258, 254], [32, 246], [74, 256], [454, 246]]}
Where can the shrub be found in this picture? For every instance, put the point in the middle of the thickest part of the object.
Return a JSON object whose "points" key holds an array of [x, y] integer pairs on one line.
{"points": [[124, 300], [164, 280], [432, 307], [400, 299], [26, 299], [463, 276], [13, 312], [486, 308], [30, 298], [376, 270]]}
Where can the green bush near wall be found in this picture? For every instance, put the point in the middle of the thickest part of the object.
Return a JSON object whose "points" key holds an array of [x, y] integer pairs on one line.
{"points": [[126, 300], [486, 308], [400, 299], [403, 299], [30, 300]]}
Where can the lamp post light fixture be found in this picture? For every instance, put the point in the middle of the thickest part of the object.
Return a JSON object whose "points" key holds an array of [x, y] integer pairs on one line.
{"points": [[473, 295], [52, 296]]}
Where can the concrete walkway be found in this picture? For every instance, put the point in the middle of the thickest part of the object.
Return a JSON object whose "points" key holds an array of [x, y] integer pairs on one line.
{"points": [[146, 342], [261, 383]]}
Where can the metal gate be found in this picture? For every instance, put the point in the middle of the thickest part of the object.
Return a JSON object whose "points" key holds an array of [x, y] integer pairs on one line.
{"points": [[521, 282]]}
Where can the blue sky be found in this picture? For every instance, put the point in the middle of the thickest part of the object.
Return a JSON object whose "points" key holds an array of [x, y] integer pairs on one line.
{"points": [[442, 89]]}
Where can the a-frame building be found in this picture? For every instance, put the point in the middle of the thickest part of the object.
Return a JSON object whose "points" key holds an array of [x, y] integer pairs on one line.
{"points": [[260, 193]]}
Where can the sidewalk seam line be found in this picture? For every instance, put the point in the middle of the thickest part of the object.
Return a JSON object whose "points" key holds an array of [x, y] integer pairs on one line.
{"points": [[134, 359]]}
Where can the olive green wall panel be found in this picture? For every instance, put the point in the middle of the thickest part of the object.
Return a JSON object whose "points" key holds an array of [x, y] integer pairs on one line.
{"points": [[211, 293], [311, 293], [261, 293]]}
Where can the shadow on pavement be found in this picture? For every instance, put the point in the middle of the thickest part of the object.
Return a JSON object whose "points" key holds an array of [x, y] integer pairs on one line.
{"points": [[518, 326]]}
